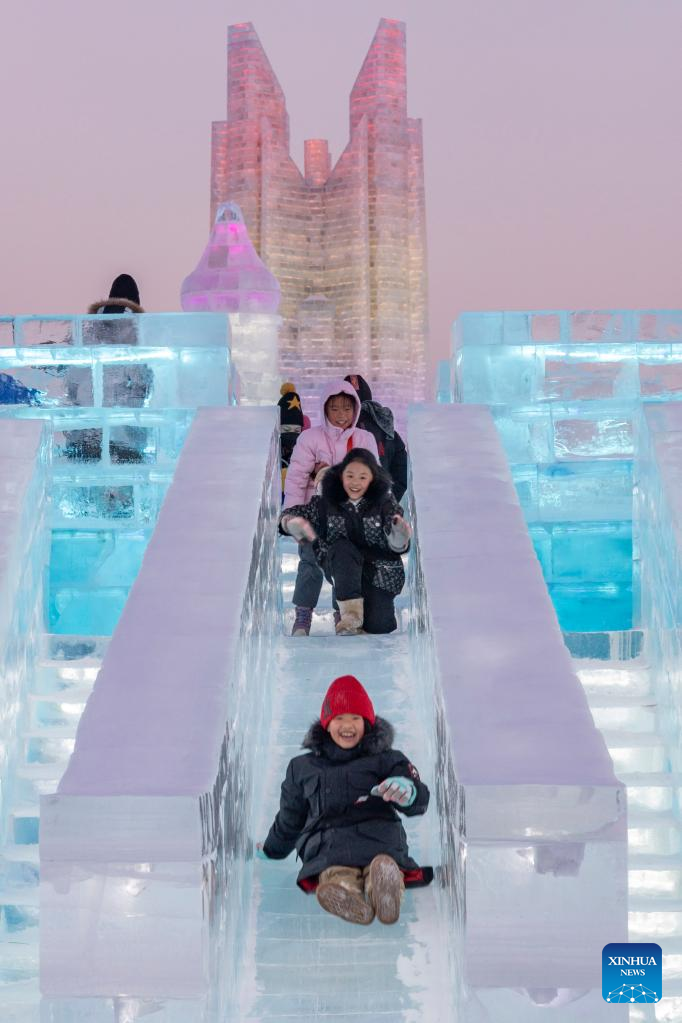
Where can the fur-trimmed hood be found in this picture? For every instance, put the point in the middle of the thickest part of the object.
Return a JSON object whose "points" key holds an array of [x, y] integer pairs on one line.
{"points": [[339, 387], [378, 739], [333, 492], [122, 303]]}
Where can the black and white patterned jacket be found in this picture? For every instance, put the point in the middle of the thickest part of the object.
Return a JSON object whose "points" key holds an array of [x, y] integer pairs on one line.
{"points": [[333, 518]]}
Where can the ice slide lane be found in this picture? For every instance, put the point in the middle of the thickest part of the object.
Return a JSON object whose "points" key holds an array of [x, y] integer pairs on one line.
{"points": [[148, 886]]}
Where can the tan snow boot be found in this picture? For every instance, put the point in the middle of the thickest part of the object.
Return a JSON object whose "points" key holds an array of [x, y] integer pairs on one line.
{"points": [[352, 615], [384, 887], [341, 892]]}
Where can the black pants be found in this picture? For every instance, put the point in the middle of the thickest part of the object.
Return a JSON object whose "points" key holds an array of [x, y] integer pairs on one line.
{"points": [[349, 571]]}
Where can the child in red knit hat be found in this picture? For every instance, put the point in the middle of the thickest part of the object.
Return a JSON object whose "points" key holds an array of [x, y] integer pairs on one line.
{"points": [[338, 810]]}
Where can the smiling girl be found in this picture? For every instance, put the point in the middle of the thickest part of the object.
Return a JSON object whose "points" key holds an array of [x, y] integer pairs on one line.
{"points": [[358, 536]]}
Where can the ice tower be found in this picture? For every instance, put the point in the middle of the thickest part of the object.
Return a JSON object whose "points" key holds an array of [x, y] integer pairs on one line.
{"points": [[351, 236], [231, 278]]}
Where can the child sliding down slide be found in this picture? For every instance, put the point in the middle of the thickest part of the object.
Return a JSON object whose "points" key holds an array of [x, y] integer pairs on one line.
{"points": [[316, 449], [338, 810], [358, 535]]}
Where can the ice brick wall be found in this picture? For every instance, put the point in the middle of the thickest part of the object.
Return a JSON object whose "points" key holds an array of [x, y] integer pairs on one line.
{"points": [[118, 394], [150, 825], [24, 460], [565, 389], [347, 241], [527, 775], [658, 520]]}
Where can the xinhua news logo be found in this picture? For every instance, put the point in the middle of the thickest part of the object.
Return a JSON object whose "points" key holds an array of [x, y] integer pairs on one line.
{"points": [[631, 972]]}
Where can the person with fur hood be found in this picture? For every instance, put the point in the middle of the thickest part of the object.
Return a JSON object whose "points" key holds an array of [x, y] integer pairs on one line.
{"points": [[125, 386], [124, 297], [358, 536], [378, 419], [316, 450], [340, 809]]}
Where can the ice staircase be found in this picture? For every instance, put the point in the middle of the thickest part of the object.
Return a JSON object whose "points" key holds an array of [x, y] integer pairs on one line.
{"points": [[304, 964], [56, 695], [624, 708]]}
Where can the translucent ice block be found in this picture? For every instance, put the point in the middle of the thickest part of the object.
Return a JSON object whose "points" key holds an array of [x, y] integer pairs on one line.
{"points": [[151, 824], [24, 461], [541, 813], [516, 357], [659, 536], [170, 360]]}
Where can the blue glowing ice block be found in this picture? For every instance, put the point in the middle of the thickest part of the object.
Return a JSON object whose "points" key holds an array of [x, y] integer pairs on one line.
{"points": [[118, 393], [565, 389], [541, 813], [144, 846]]}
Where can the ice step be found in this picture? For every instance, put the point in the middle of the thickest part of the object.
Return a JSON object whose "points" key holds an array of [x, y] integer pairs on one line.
{"points": [[622, 679], [651, 792], [24, 823], [654, 920], [58, 709], [54, 676], [635, 718], [28, 854], [20, 895], [654, 833], [636, 752], [49, 745], [672, 963], [654, 877]]}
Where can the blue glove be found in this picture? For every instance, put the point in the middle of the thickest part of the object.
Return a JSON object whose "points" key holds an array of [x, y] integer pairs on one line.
{"points": [[402, 791], [261, 854]]}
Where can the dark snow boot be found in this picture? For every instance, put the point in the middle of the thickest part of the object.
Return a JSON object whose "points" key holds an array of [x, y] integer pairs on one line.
{"points": [[303, 621], [384, 887]]}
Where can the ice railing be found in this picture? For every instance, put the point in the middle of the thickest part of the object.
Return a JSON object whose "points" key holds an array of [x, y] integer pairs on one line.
{"points": [[118, 393], [145, 848], [24, 463], [525, 785], [658, 523]]}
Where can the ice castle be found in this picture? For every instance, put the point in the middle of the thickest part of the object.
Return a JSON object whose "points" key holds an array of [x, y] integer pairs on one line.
{"points": [[151, 693], [347, 241]]}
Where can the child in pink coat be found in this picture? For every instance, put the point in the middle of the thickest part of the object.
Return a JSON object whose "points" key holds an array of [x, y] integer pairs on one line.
{"points": [[316, 450]]}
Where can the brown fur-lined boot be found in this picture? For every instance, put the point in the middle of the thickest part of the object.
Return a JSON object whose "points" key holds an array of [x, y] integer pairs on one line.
{"points": [[352, 616], [341, 892], [384, 887]]}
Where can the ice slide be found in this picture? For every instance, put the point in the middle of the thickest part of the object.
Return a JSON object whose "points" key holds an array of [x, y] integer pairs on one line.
{"points": [[151, 904]]}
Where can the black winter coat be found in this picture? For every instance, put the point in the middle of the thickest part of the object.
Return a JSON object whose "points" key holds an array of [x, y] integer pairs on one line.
{"points": [[319, 814], [391, 446], [333, 518]]}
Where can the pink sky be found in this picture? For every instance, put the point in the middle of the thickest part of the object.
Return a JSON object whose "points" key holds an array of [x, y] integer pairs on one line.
{"points": [[552, 136]]}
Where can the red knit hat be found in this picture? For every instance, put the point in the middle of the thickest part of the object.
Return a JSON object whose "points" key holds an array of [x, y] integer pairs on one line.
{"points": [[346, 696]]}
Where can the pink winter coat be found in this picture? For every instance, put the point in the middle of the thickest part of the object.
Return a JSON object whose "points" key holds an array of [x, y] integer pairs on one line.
{"points": [[323, 444]]}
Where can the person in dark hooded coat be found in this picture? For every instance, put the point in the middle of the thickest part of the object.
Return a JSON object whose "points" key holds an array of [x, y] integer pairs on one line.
{"points": [[340, 807], [358, 537], [125, 385], [290, 425], [378, 420]]}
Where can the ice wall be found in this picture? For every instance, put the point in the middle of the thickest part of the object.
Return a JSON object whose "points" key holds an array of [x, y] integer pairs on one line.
{"points": [[658, 525], [24, 461], [526, 774], [150, 826], [118, 394], [565, 389]]}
